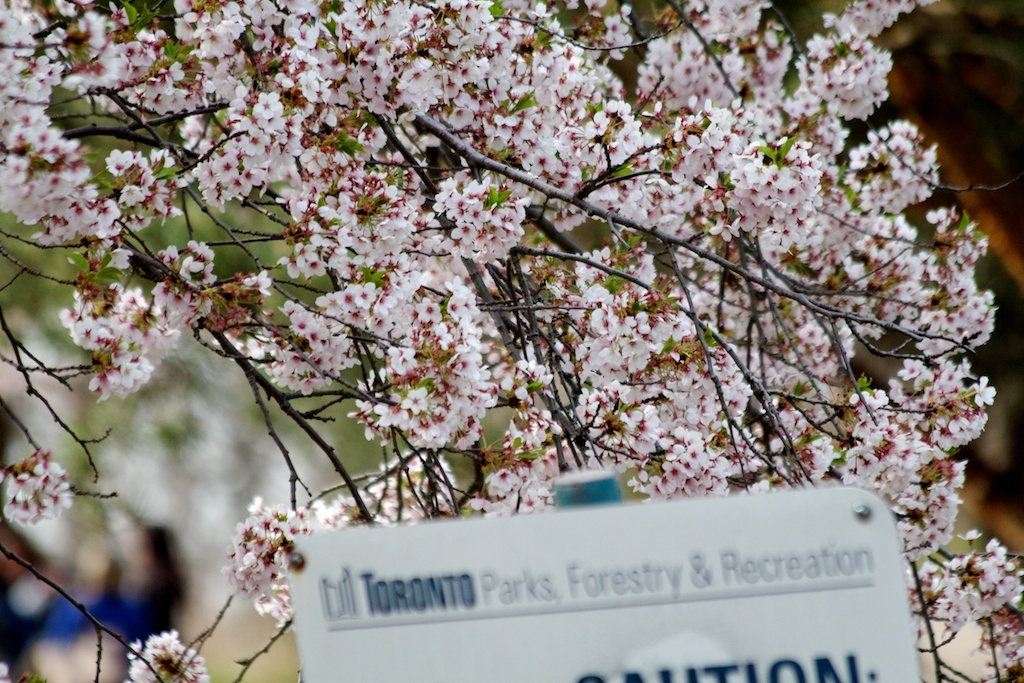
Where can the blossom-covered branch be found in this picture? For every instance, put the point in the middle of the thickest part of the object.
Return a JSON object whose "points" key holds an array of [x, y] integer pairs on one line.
{"points": [[459, 224]]}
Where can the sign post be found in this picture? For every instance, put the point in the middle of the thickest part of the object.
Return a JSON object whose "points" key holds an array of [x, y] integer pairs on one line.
{"points": [[796, 587]]}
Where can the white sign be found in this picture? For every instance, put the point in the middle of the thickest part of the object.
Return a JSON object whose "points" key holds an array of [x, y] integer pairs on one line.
{"points": [[795, 587]]}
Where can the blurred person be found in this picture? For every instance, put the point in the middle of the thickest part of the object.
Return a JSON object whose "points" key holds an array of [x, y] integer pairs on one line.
{"points": [[163, 587], [134, 598], [24, 599], [67, 644]]}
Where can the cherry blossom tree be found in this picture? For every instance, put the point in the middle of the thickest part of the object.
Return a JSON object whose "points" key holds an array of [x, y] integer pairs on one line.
{"points": [[509, 240]]}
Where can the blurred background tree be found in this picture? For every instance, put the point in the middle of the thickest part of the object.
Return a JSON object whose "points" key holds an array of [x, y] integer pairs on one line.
{"points": [[958, 74]]}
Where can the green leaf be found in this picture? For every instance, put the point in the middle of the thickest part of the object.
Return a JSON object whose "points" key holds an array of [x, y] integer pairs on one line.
{"points": [[769, 153], [800, 267], [143, 20], [177, 51], [130, 10], [343, 143], [108, 275], [809, 439], [104, 180], [496, 197], [624, 169], [778, 155], [709, 337], [497, 9], [525, 102], [851, 196], [78, 260], [166, 173], [614, 283], [374, 276], [965, 222], [784, 150]]}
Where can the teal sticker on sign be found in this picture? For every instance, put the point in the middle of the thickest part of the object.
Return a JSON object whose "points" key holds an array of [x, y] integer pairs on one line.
{"points": [[795, 587]]}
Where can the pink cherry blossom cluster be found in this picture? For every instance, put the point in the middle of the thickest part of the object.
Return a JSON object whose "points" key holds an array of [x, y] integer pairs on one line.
{"points": [[908, 461], [679, 66], [439, 387], [126, 333], [971, 587], [259, 552], [774, 188], [893, 171], [141, 196], [319, 348], [770, 188], [487, 224], [44, 179], [522, 486], [150, 73], [847, 73], [1003, 641], [37, 489], [259, 555], [163, 659], [521, 472], [870, 17]]}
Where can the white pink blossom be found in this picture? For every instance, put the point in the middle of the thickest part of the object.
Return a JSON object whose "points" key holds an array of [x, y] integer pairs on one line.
{"points": [[971, 587], [259, 552], [848, 72], [37, 489], [165, 659]]}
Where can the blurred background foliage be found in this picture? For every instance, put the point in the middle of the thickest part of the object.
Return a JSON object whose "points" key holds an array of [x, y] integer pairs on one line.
{"points": [[958, 73]]}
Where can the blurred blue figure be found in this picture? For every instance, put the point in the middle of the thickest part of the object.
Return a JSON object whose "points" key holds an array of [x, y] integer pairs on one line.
{"points": [[67, 642], [24, 600]]}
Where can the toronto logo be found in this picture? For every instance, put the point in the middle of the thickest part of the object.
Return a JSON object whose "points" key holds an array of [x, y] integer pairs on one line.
{"points": [[338, 598]]}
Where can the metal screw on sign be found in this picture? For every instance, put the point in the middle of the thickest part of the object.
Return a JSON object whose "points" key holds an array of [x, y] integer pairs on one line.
{"points": [[297, 561], [862, 511], [587, 487]]}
